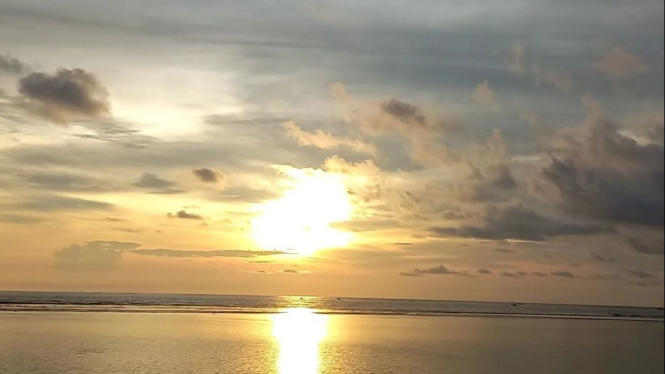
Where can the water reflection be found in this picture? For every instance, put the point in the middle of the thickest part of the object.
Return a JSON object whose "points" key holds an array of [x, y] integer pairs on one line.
{"points": [[299, 331]]}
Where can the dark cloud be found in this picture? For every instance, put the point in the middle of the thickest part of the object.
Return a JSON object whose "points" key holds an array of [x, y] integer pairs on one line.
{"points": [[641, 274], [181, 253], [604, 277], [94, 256], [601, 174], [410, 274], [393, 116], [291, 271], [206, 175], [632, 197], [129, 230], [646, 246], [437, 270], [484, 271], [520, 223], [522, 274], [185, 215], [404, 112], [64, 96], [562, 274], [13, 66], [502, 177], [604, 256]]}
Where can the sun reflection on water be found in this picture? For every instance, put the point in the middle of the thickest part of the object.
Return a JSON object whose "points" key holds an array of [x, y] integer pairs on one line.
{"points": [[299, 331]]}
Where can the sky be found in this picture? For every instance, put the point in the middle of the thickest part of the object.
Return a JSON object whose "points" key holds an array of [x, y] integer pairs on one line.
{"points": [[489, 150]]}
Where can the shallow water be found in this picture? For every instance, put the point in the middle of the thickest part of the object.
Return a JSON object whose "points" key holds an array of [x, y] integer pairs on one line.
{"points": [[301, 342]]}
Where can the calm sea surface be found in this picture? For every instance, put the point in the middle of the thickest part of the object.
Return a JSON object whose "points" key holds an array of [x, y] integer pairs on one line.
{"points": [[113, 333]]}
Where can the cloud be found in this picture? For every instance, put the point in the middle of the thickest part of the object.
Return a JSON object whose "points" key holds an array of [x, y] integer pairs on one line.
{"points": [[181, 253], [185, 215], [107, 255], [521, 64], [604, 257], [563, 274], [157, 184], [650, 127], [484, 271], [291, 271], [484, 93], [647, 246], [64, 96], [403, 112], [518, 222], [116, 132], [148, 180], [491, 172], [455, 215], [46, 203], [437, 270], [390, 116], [62, 182], [619, 62], [601, 174], [604, 277], [325, 140], [632, 197], [94, 256], [507, 274], [20, 218], [409, 274], [206, 175], [13, 66], [641, 274], [432, 154]]}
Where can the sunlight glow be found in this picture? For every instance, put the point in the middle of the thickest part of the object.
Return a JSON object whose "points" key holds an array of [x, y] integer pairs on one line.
{"points": [[299, 331], [300, 220]]}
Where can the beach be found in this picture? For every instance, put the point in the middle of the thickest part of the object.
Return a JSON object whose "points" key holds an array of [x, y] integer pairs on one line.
{"points": [[299, 341]]}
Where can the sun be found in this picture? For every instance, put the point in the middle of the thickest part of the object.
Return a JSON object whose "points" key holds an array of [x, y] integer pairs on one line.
{"points": [[300, 221]]}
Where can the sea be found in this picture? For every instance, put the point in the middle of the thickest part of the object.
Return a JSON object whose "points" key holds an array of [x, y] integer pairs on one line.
{"points": [[95, 333]]}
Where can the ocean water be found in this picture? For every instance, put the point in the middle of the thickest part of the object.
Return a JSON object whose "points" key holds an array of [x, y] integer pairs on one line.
{"points": [[174, 303], [48, 333]]}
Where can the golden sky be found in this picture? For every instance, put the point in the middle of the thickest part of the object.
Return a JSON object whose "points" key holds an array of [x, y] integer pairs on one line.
{"points": [[507, 151]]}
